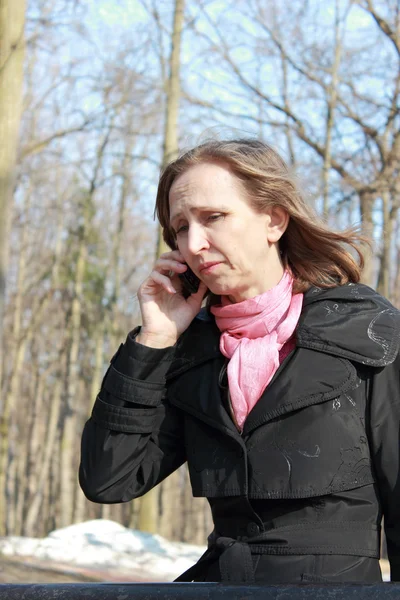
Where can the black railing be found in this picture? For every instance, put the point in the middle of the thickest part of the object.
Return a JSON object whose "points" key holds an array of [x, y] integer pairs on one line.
{"points": [[197, 591]]}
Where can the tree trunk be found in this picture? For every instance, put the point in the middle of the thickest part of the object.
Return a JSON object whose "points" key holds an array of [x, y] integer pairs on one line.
{"points": [[330, 110], [29, 447], [43, 431], [80, 500], [10, 398], [148, 511], [366, 207], [68, 452], [285, 94], [170, 146], [116, 255], [69, 464], [383, 286], [106, 511], [171, 505], [6, 466], [149, 503], [396, 283], [12, 49], [32, 516], [54, 484]]}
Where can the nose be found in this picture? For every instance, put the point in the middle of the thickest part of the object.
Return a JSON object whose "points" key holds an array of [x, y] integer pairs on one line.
{"points": [[197, 239]]}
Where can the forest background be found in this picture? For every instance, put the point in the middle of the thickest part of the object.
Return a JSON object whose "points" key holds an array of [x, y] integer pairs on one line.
{"points": [[95, 95]]}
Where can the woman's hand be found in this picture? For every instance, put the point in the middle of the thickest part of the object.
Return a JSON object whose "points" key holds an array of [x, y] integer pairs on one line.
{"points": [[166, 314]]}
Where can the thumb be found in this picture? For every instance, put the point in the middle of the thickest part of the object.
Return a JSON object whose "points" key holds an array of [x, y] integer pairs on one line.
{"points": [[197, 298]]}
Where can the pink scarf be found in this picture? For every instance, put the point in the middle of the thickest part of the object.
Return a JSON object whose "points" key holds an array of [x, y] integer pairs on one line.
{"points": [[252, 335]]}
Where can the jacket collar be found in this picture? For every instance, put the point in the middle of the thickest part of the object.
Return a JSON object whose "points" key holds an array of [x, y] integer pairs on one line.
{"points": [[299, 387], [350, 321]]}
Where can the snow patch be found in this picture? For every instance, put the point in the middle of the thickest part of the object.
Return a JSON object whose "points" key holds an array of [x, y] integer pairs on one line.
{"points": [[103, 544]]}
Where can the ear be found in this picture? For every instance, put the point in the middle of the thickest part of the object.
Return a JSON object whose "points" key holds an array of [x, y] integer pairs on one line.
{"points": [[277, 223]]}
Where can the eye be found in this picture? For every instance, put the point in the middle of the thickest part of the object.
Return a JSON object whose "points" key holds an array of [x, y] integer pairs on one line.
{"points": [[210, 218], [181, 229], [215, 217]]}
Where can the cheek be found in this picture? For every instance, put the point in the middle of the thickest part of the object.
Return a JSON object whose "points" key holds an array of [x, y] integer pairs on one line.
{"points": [[182, 247]]}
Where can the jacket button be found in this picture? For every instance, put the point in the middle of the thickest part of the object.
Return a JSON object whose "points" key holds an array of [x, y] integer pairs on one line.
{"points": [[253, 529]]}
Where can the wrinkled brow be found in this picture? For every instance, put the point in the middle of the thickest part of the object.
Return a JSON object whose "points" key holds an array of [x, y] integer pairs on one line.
{"points": [[198, 209]]}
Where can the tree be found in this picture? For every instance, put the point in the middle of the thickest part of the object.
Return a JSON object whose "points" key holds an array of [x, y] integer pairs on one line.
{"points": [[59, 268], [359, 150], [148, 515], [12, 50], [172, 97]]}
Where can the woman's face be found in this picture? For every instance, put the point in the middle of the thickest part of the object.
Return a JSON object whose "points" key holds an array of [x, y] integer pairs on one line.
{"points": [[228, 245]]}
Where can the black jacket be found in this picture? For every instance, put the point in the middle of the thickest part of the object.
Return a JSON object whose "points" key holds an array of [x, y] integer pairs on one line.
{"points": [[299, 495]]}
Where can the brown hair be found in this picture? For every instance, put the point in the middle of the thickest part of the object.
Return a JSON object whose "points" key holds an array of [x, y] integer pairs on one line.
{"points": [[315, 254]]}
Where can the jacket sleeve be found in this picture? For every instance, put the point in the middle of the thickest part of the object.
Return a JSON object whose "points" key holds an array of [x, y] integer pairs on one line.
{"points": [[385, 446], [133, 439]]}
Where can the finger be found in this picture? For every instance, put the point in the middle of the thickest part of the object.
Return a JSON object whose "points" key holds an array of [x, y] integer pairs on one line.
{"points": [[199, 295], [167, 265], [163, 281], [174, 255]]}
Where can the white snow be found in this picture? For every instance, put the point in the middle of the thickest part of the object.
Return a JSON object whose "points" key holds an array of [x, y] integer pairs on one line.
{"points": [[105, 545]]}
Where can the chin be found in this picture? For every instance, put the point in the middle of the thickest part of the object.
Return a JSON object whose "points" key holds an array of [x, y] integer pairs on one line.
{"points": [[221, 290]]}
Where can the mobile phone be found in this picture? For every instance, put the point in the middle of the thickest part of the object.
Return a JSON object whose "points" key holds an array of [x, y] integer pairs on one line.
{"points": [[190, 282]]}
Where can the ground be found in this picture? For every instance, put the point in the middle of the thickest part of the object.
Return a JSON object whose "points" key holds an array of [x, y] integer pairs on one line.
{"points": [[29, 570]]}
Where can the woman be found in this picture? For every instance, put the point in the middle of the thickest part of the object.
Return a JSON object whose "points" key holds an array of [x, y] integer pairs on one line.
{"points": [[282, 394]]}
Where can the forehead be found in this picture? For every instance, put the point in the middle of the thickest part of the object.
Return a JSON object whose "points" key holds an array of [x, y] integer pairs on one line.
{"points": [[205, 182], [202, 177]]}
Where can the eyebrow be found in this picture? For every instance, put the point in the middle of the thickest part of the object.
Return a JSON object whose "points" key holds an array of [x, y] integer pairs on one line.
{"points": [[199, 209]]}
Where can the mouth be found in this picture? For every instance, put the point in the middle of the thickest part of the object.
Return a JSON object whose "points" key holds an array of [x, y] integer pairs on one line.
{"points": [[208, 267]]}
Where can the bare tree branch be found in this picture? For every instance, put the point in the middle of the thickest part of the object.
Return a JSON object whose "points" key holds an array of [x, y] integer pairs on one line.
{"points": [[383, 25]]}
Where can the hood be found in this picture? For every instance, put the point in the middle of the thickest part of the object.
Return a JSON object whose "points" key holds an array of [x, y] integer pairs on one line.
{"points": [[352, 321]]}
